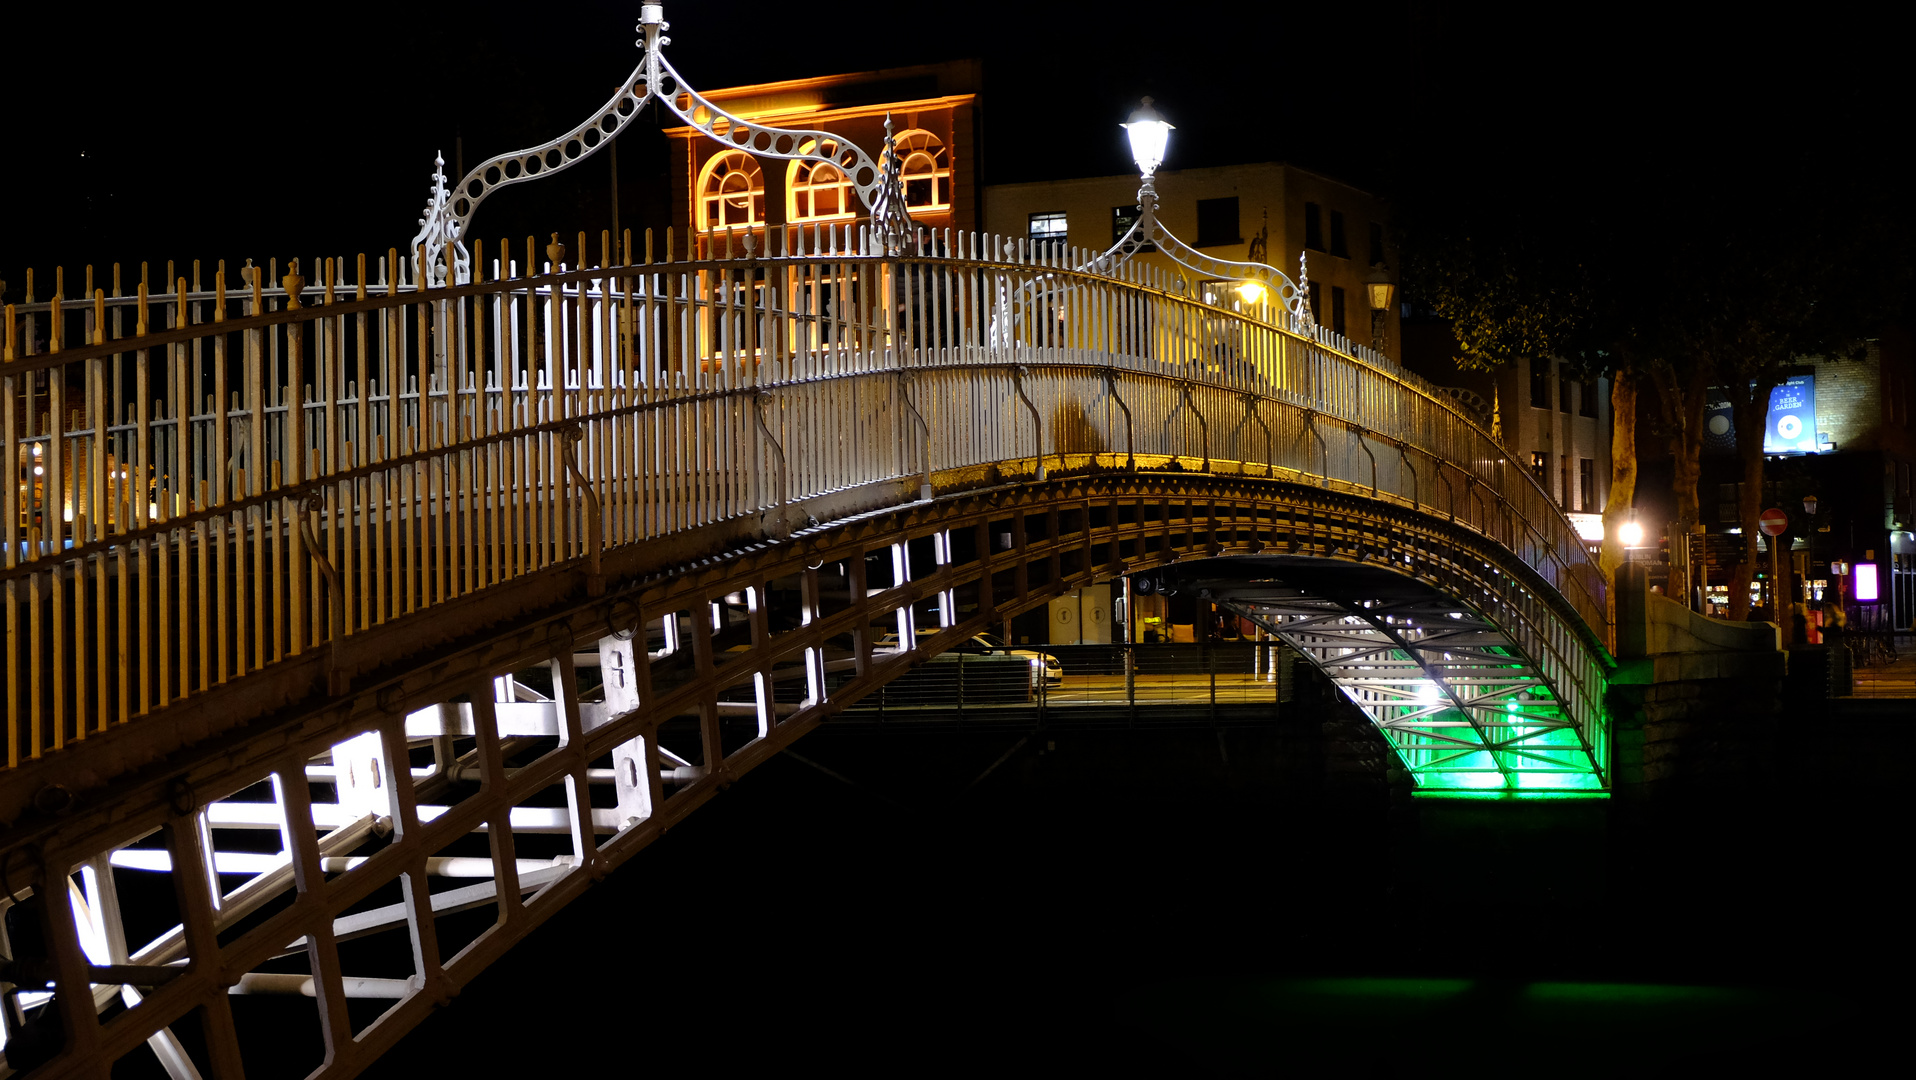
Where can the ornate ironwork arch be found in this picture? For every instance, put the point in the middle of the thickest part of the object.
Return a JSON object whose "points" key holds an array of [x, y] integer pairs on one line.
{"points": [[449, 210]]}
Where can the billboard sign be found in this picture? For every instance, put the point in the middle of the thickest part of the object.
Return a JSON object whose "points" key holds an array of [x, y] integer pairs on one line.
{"points": [[1790, 427]]}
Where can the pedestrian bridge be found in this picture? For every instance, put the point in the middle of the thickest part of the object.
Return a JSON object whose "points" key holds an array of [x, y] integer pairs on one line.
{"points": [[508, 576], [412, 597]]}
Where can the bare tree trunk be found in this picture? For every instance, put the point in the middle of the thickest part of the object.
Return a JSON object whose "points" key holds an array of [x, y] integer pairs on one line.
{"points": [[1623, 468], [1681, 394], [1749, 411], [1748, 418]]}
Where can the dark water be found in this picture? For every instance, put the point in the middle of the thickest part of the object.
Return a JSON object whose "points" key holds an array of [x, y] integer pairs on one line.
{"points": [[1153, 904]]}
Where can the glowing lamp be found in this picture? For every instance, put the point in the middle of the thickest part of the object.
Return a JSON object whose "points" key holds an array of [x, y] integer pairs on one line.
{"points": [[1250, 292], [1809, 505], [1148, 133], [1380, 287], [1866, 581], [1630, 534]]}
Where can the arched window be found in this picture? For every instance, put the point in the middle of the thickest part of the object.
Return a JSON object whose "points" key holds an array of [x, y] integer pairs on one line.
{"points": [[817, 191], [731, 193], [926, 170]]}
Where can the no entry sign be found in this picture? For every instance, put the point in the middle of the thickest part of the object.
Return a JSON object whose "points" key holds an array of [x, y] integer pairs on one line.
{"points": [[1773, 522]]}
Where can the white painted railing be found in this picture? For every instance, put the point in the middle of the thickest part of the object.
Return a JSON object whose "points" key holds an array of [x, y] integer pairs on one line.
{"points": [[210, 481]]}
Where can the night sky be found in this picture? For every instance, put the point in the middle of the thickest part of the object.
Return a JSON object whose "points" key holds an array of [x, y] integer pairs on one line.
{"points": [[224, 130], [245, 130]]}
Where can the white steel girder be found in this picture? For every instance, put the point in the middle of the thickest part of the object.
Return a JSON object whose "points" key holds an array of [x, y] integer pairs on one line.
{"points": [[1455, 695]]}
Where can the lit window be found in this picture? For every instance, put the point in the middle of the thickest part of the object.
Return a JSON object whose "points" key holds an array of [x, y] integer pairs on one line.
{"points": [[731, 193], [1047, 228], [926, 170], [818, 191]]}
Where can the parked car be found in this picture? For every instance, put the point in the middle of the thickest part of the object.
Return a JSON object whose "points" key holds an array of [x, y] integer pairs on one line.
{"points": [[1045, 669]]}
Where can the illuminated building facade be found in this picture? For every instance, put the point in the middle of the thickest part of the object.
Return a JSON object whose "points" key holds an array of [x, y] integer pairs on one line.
{"points": [[933, 109]]}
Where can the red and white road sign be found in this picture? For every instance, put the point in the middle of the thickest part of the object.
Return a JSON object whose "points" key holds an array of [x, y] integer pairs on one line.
{"points": [[1773, 522]]}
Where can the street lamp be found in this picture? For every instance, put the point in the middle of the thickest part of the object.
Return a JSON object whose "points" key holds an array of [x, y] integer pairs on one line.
{"points": [[1630, 534], [1380, 287], [1255, 283], [1809, 559], [1149, 133]]}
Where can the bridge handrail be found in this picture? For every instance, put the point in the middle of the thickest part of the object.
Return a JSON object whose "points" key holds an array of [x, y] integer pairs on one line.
{"points": [[426, 425]]}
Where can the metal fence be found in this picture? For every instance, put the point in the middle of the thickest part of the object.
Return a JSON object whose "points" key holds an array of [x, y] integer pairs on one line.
{"points": [[1128, 684], [211, 480]]}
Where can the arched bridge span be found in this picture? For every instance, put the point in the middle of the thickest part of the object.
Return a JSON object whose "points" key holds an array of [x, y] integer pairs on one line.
{"points": [[522, 571]]}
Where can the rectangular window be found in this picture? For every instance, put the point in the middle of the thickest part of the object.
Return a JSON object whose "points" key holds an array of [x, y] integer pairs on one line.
{"points": [[1338, 246], [1540, 384], [1122, 218], [1587, 485], [1317, 301], [1313, 227], [1587, 404], [1047, 228], [1337, 309], [1217, 222], [1566, 390], [1376, 243], [1540, 466]]}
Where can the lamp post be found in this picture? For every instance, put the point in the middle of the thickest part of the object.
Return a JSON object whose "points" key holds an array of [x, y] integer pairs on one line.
{"points": [[1630, 535], [1809, 558], [1380, 287], [1255, 282]]}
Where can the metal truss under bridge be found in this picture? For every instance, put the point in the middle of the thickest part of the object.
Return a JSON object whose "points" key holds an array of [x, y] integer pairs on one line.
{"points": [[402, 605]]}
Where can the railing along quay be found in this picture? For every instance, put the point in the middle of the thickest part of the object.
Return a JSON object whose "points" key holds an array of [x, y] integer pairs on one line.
{"points": [[210, 481]]}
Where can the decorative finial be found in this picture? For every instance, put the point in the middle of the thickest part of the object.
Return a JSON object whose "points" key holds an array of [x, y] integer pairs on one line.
{"points": [[891, 220], [555, 252], [292, 283], [437, 228], [1304, 314]]}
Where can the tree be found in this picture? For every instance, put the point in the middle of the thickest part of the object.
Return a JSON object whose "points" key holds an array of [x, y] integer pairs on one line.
{"points": [[1688, 279], [1769, 291], [1523, 274]]}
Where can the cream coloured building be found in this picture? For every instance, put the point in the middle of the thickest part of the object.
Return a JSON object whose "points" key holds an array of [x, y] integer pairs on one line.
{"points": [[1268, 210]]}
